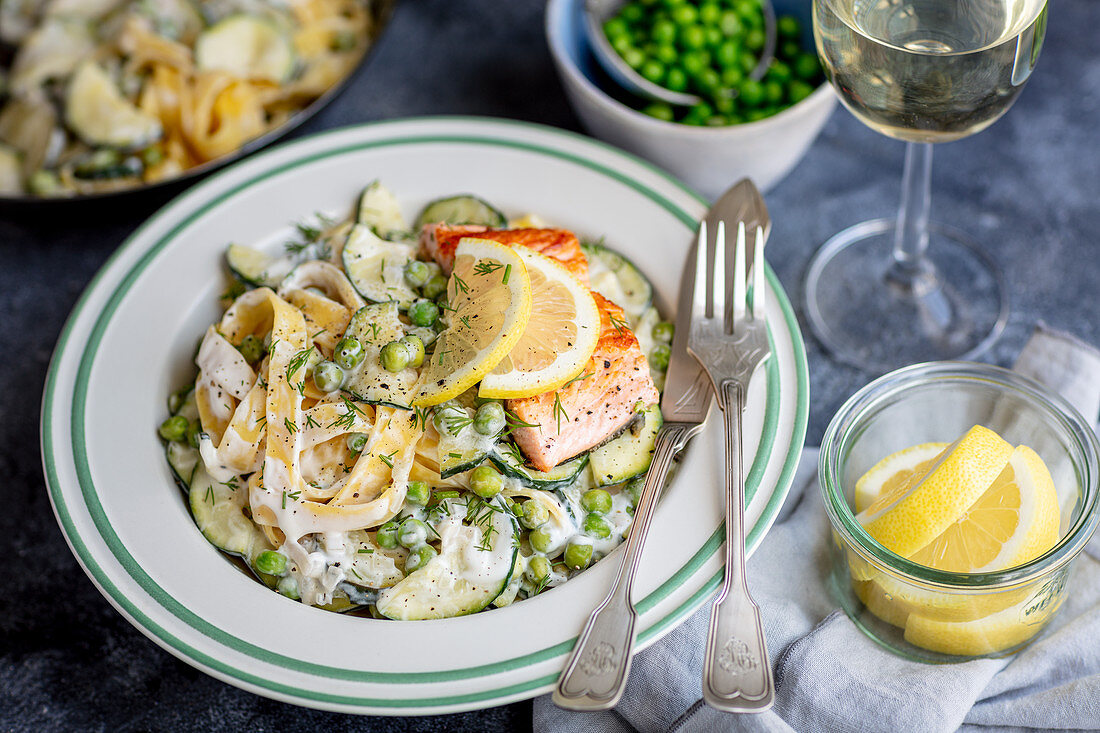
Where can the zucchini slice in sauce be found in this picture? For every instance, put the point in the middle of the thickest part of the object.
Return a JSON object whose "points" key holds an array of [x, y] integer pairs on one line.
{"points": [[464, 209], [628, 455], [256, 268], [474, 566], [619, 280], [461, 447], [559, 476], [98, 113], [182, 459], [376, 325], [249, 47], [376, 267], [378, 209], [218, 509]]}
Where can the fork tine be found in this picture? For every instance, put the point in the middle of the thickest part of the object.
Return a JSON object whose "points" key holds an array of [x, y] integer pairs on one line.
{"points": [[758, 287], [699, 297], [740, 284], [719, 274]]}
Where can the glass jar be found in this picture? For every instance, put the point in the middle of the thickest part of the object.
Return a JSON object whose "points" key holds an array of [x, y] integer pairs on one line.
{"points": [[934, 615]]}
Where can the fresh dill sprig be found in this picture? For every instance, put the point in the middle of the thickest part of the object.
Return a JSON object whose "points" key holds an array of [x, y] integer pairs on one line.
{"points": [[559, 412], [290, 425], [460, 283], [513, 422], [577, 378], [310, 422], [231, 484], [388, 459], [298, 361], [617, 322], [485, 267]]}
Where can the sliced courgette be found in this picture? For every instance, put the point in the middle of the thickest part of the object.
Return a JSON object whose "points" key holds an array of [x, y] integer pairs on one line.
{"points": [[376, 325], [628, 455], [461, 447], [218, 509], [559, 476], [182, 459], [53, 50], [11, 171], [463, 209], [472, 569], [619, 280], [98, 113], [643, 329], [250, 265], [179, 20], [379, 210], [376, 267], [248, 47]]}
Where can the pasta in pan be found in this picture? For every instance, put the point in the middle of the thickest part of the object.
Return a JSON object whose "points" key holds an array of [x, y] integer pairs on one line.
{"points": [[103, 95]]}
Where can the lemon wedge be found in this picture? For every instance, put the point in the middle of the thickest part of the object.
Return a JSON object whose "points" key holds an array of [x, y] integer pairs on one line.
{"points": [[894, 470], [490, 297], [997, 632], [560, 337], [1014, 521], [912, 514]]}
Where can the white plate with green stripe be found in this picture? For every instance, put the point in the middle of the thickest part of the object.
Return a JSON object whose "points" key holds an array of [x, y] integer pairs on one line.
{"points": [[130, 341]]}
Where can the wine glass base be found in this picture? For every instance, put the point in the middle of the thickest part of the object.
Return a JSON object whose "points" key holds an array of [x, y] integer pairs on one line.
{"points": [[866, 315]]}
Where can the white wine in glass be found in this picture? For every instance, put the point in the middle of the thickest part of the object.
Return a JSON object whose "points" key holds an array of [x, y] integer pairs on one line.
{"points": [[923, 71]]}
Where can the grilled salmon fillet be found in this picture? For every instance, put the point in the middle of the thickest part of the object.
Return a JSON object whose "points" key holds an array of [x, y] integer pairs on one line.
{"points": [[439, 242], [591, 409]]}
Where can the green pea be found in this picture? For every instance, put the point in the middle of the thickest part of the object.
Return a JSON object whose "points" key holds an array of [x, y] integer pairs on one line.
{"points": [[653, 70], [634, 58], [685, 14], [414, 346], [748, 9], [773, 92], [152, 156], [747, 61], [755, 39], [251, 348], [676, 80], [271, 562], [729, 23], [667, 55], [486, 482], [596, 500], [535, 514], [538, 569], [634, 489], [616, 28], [807, 67], [790, 49], [288, 586], [540, 540], [714, 37], [417, 273], [386, 536], [412, 532], [663, 32], [356, 442], [436, 284], [779, 71], [716, 121], [693, 63], [394, 356], [658, 358], [664, 331], [174, 429], [328, 377], [673, 4], [708, 81], [732, 76], [597, 526], [751, 93], [709, 14], [726, 54], [419, 557], [799, 90], [787, 26], [632, 12], [194, 432], [660, 110], [423, 312], [724, 102], [349, 353], [755, 115], [621, 44], [578, 556], [489, 419], [692, 37]]}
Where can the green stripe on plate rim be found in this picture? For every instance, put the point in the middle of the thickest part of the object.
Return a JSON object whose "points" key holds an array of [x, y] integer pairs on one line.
{"points": [[170, 604]]}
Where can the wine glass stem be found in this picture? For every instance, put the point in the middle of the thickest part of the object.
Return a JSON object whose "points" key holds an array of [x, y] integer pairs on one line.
{"points": [[911, 234]]}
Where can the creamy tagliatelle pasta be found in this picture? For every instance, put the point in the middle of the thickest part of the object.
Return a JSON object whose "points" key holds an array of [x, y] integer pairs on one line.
{"points": [[103, 95], [301, 454]]}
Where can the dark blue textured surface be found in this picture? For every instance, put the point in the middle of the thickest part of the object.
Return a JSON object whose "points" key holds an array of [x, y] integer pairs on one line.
{"points": [[1028, 188]]}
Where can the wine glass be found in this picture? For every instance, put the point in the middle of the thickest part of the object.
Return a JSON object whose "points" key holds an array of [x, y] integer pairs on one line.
{"points": [[885, 292]]}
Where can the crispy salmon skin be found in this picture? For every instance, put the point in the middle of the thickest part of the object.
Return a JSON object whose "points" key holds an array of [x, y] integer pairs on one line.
{"points": [[596, 405], [439, 242]]}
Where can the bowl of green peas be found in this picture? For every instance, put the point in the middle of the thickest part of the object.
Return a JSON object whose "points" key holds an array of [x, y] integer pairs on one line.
{"points": [[741, 126]]}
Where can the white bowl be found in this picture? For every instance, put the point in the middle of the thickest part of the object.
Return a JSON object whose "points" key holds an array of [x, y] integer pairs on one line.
{"points": [[709, 159]]}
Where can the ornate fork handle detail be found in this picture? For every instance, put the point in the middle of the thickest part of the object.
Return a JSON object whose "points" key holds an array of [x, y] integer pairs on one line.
{"points": [[596, 673]]}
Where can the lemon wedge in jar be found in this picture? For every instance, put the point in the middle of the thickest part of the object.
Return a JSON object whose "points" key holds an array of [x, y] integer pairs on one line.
{"points": [[895, 470]]}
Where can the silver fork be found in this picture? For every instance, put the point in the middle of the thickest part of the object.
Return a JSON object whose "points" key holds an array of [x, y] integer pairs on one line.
{"points": [[730, 341]]}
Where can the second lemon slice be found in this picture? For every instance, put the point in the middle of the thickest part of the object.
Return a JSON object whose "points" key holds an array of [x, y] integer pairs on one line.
{"points": [[490, 298], [913, 514], [561, 334]]}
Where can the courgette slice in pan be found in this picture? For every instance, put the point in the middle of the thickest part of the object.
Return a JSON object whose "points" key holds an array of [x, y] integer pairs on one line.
{"points": [[249, 47], [180, 20], [376, 325], [376, 267], [628, 455], [561, 475], [11, 171], [99, 115], [619, 280], [452, 583], [378, 209], [463, 209]]}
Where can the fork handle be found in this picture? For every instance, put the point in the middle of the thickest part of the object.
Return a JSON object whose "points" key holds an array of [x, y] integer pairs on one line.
{"points": [[737, 675], [596, 673]]}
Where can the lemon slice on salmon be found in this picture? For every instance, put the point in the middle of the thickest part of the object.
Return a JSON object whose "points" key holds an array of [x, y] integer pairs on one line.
{"points": [[490, 298], [913, 513], [560, 337]]}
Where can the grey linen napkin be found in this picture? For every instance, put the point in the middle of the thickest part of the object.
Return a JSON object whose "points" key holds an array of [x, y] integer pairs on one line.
{"points": [[830, 677]]}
